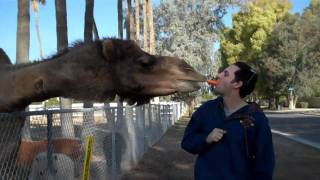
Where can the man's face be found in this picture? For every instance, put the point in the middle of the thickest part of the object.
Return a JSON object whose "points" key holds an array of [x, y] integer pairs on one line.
{"points": [[226, 81]]}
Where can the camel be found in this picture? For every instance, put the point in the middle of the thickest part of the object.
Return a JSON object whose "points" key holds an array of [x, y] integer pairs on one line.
{"points": [[96, 71]]}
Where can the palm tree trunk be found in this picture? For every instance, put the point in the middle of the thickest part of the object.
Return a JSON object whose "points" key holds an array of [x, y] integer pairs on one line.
{"points": [[22, 56], [88, 23], [129, 21], [62, 43], [23, 32], [145, 26], [35, 7], [151, 28], [137, 16], [120, 20], [23, 46], [88, 36], [95, 31]]}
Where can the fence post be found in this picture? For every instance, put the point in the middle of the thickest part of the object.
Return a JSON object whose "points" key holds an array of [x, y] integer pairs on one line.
{"points": [[50, 146], [113, 144]]}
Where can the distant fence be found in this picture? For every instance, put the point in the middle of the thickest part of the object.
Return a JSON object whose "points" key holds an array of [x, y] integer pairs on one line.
{"points": [[51, 144]]}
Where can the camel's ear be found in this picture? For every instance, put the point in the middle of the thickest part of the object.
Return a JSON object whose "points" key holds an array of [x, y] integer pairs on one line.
{"points": [[4, 59], [108, 49]]}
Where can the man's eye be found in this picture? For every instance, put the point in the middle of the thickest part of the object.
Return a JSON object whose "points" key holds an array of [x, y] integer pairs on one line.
{"points": [[226, 73]]}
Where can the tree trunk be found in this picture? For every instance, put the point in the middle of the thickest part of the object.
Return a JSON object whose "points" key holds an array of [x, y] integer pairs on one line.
{"points": [[62, 43], [145, 26], [23, 46], [88, 35], [137, 16], [191, 106], [35, 6], [295, 99], [291, 99], [88, 23], [23, 32], [272, 103], [120, 20], [21, 128], [151, 28], [129, 21], [277, 102], [95, 31]]}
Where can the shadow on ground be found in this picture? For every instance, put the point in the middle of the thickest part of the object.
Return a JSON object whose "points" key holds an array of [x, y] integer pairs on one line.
{"points": [[167, 161]]}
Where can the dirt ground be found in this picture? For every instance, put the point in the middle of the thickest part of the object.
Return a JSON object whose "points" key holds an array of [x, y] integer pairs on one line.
{"points": [[167, 161]]}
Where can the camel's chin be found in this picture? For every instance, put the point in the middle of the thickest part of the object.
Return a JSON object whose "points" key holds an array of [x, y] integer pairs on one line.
{"points": [[188, 86]]}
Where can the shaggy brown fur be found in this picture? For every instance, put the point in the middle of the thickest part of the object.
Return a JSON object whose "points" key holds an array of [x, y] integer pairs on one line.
{"points": [[96, 71]]}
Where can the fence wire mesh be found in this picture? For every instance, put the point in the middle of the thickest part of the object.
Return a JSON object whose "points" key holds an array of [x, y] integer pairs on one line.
{"points": [[52, 144]]}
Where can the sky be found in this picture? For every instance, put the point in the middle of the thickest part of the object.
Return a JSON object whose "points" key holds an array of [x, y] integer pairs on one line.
{"points": [[105, 14]]}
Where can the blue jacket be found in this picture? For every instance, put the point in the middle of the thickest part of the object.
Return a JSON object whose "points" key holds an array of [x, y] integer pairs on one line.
{"points": [[245, 152]]}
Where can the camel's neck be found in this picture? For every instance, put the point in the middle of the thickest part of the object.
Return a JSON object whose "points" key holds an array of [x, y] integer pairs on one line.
{"points": [[71, 75]]}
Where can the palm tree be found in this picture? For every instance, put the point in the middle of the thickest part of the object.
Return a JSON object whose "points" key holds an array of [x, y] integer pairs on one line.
{"points": [[151, 28], [88, 36], [129, 21], [35, 7], [137, 16], [62, 43], [88, 23], [23, 46], [145, 26], [95, 30], [120, 20], [23, 32]]}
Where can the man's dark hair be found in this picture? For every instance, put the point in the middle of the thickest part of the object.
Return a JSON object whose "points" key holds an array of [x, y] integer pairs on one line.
{"points": [[248, 76]]}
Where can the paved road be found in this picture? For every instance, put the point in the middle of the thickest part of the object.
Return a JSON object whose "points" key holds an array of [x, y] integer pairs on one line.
{"points": [[294, 160], [304, 128]]}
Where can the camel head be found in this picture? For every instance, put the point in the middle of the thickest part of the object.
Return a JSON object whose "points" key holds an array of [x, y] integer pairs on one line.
{"points": [[139, 76], [95, 71]]}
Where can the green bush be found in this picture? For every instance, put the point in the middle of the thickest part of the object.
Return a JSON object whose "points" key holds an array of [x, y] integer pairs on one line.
{"points": [[283, 101], [52, 102], [207, 96], [302, 104], [314, 102]]}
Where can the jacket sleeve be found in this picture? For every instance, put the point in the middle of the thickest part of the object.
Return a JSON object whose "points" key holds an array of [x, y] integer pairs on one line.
{"points": [[194, 141], [264, 161]]}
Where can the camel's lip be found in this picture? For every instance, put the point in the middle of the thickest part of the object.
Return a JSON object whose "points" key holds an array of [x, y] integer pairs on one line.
{"points": [[193, 80]]}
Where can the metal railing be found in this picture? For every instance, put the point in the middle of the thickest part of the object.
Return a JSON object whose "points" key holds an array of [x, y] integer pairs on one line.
{"points": [[51, 144]]}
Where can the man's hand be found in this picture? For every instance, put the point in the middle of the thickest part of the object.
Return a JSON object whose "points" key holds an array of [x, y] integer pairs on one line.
{"points": [[215, 135]]}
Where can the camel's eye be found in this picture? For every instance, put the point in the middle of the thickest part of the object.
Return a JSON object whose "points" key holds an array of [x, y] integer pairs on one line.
{"points": [[145, 62]]}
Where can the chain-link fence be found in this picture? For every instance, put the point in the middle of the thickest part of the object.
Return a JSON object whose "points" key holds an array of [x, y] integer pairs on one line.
{"points": [[53, 144]]}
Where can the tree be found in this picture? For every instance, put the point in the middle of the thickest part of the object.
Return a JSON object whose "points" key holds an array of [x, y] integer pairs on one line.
{"points": [[246, 40], [120, 20], [137, 17], [35, 7], [129, 21], [292, 59], [151, 26], [22, 49], [62, 43], [188, 30], [145, 26], [88, 36], [23, 32]]}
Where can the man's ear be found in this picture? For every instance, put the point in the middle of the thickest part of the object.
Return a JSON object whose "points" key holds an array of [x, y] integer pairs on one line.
{"points": [[237, 84], [108, 49]]}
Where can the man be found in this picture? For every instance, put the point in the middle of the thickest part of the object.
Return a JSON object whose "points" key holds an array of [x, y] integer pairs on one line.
{"points": [[231, 137]]}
